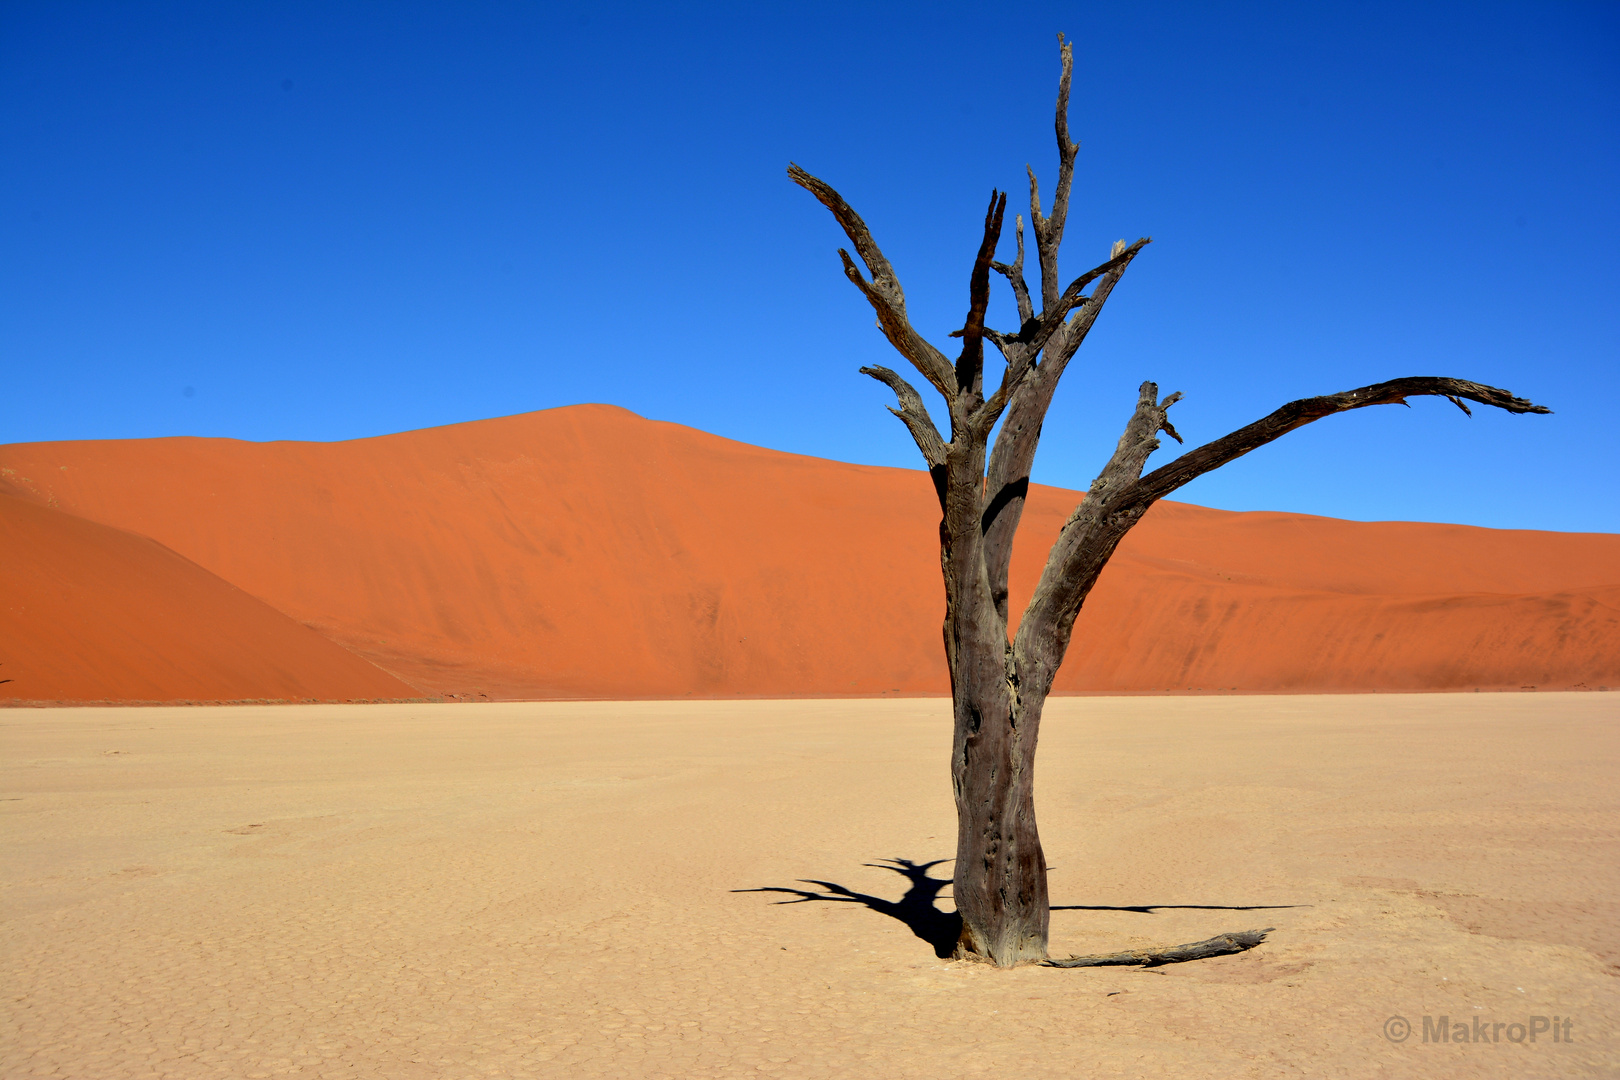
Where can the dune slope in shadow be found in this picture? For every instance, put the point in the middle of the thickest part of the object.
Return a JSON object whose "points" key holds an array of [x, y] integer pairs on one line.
{"points": [[587, 552], [91, 613]]}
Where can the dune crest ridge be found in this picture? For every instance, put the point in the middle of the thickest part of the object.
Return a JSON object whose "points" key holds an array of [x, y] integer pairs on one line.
{"points": [[587, 552]]}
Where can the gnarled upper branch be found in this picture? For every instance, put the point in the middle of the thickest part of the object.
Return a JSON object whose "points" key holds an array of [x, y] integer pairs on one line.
{"points": [[1120, 495], [970, 365], [1162, 481], [883, 292], [1049, 230], [1029, 396], [913, 413], [1014, 273]]}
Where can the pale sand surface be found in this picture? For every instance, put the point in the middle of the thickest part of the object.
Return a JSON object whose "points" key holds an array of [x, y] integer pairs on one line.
{"points": [[550, 889]]}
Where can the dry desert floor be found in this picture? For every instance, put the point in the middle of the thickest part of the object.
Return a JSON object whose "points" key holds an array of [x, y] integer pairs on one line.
{"points": [[607, 889]]}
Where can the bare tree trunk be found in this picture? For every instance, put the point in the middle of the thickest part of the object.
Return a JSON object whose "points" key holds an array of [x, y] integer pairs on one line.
{"points": [[999, 687], [1000, 878]]}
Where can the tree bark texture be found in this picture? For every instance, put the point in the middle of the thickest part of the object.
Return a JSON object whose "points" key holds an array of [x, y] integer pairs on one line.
{"points": [[999, 686]]}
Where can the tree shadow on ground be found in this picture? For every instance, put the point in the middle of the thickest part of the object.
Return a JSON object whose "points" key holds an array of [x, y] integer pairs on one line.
{"points": [[916, 908], [942, 928]]}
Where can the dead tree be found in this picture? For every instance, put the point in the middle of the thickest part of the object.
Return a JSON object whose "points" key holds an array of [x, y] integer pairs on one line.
{"points": [[998, 686]]}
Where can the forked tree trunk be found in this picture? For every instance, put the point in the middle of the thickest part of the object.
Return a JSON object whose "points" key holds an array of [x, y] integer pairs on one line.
{"points": [[999, 686]]}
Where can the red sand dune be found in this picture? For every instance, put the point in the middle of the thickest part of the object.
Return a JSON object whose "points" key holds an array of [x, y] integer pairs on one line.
{"points": [[588, 552], [89, 612]]}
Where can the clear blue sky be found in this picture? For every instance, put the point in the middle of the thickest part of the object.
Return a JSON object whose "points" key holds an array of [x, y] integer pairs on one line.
{"points": [[335, 220]]}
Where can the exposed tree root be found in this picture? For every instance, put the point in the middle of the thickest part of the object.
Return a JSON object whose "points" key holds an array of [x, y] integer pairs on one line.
{"points": [[1219, 945]]}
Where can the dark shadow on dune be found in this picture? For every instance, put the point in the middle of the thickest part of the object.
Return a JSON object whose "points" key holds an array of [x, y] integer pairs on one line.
{"points": [[916, 908], [941, 928]]}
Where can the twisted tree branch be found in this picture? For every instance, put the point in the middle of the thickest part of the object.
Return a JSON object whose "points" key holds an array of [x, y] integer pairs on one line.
{"points": [[970, 365], [1052, 318], [1029, 396], [1120, 496], [1049, 231], [883, 292], [1195, 463], [913, 413], [1015, 275], [1022, 349]]}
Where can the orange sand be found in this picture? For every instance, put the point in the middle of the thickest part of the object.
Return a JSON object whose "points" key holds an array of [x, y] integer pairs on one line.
{"points": [[585, 552], [436, 892], [91, 612]]}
